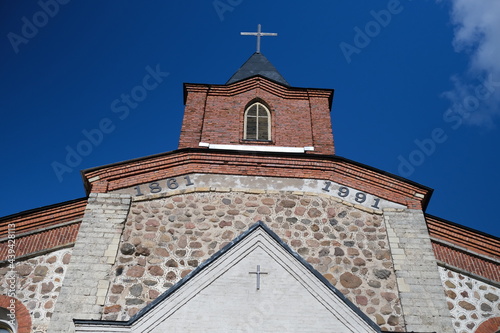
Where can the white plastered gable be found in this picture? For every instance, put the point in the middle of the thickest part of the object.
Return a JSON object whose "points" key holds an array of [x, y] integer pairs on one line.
{"points": [[222, 296]]}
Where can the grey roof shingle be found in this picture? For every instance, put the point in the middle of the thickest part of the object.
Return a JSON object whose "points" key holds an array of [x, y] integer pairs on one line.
{"points": [[258, 64]]}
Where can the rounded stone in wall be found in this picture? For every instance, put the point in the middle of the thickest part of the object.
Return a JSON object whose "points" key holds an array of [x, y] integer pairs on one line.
{"points": [[349, 280], [491, 297], [127, 249], [24, 270]]}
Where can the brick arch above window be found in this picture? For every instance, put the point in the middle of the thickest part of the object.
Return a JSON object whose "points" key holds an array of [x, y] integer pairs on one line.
{"points": [[22, 314], [491, 325]]}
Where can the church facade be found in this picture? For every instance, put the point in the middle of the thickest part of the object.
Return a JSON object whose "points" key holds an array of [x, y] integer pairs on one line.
{"points": [[252, 225]]}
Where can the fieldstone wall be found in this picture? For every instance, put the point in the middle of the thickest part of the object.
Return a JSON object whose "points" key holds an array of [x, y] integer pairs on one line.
{"points": [[471, 302], [166, 238], [38, 282]]}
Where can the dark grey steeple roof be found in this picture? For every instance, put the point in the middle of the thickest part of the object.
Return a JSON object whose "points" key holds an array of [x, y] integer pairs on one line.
{"points": [[257, 64]]}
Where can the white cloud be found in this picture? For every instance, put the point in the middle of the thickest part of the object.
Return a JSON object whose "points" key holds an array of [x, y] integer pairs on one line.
{"points": [[477, 32]]}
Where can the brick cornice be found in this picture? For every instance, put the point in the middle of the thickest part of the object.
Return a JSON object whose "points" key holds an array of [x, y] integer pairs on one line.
{"points": [[261, 83], [466, 261], [470, 239], [44, 240], [43, 217], [193, 160]]}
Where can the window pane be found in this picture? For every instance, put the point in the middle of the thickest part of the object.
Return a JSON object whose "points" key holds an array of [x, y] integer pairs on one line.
{"points": [[263, 130], [251, 128], [262, 111], [252, 111]]}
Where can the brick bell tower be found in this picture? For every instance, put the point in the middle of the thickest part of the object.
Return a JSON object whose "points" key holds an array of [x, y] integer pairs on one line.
{"points": [[257, 110]]}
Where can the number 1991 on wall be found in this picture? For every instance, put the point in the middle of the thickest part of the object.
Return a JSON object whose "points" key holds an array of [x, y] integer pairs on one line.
{"points": [[359, 197]]}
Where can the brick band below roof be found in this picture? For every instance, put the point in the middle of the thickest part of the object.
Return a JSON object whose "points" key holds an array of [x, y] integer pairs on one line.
{"points": [[43, 217], [481, 266], [185, 161], [464, 237], [41, 241]]}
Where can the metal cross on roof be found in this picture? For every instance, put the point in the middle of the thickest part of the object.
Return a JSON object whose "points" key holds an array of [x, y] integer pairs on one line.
{"points": [[259, 34]]}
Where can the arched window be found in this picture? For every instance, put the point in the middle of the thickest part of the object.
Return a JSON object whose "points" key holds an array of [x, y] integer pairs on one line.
{"points": [[257, 123]]}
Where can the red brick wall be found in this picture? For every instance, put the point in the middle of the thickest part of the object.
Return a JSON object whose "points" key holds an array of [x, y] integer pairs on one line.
{"points": [[45, 220], [43, 217], [193, 118], [467, 261], [320, 118], [215, 114], [469, 242], [467, 238], [41, 241]]}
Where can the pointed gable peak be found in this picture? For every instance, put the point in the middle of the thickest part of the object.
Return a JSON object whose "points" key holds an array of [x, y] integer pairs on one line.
{"points": [[295, 295], [258, 64]]}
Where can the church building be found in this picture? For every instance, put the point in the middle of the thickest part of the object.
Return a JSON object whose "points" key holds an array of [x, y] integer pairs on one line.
{"points": [[253, 224]]}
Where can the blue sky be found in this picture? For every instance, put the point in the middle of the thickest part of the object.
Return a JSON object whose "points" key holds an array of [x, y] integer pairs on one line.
{"points": [[417, 86]]}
